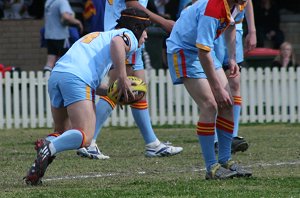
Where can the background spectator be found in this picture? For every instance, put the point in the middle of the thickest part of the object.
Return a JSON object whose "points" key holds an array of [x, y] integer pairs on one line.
{"points": [[152, 7], [78, 7], [1, 9], [13, 9], [160, 6], [36, 9], [267, 21], [58, 17], [286, 57], [93, 15]]}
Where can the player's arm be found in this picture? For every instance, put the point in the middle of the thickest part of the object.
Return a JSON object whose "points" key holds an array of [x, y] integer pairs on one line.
{"points": [[250, 40], [102, 90], [230, 41], [221, 95], [118, 50], [166, 24], [69, 19]]}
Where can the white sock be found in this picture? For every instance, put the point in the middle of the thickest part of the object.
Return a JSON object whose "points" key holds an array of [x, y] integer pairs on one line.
{"points": [[153, 144], [52, 149], [47, 68], [93, 142]]}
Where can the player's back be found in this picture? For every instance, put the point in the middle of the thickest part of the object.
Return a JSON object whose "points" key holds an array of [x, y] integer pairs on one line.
{"points": [[199, 23], [89, 57]]}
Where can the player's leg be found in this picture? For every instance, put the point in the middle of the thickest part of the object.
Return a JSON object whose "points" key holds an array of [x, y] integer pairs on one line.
{"points": [[234, 84], [141, 115], [219, 56], [81, 112], [185, 67], [51, 59], [104, 108], [80, 115], [61, 122], [238, 142], [224, 124], [225, 127], [200, 91], [53, 52]]}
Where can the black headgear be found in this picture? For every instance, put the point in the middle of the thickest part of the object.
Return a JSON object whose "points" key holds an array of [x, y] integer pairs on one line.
{"points": [[135, 20]]}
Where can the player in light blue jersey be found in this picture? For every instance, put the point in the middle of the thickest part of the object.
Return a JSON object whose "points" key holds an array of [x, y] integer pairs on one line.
{"points": [[192, 62], [73, 83], [238, 142], [154, 148]]}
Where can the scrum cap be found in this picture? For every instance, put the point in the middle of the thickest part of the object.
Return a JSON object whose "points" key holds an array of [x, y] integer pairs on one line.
{"points": [[135, 20]]}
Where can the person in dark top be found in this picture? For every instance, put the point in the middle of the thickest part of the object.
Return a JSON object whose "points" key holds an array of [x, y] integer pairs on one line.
{"points": [[267, 21], [286, 58]]}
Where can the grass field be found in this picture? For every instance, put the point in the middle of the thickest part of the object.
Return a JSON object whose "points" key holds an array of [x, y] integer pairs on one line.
{"points": [[273, 156]]}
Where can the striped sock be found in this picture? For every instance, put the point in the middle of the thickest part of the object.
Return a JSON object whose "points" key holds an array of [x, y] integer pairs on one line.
{"points": [[104, 108], [224, 130], [206, 132], [141, 116], [69, 140], [236, 114], [52, 136]]}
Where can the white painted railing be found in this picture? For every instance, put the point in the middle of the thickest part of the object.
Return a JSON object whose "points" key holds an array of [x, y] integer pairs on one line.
{"points": [[268, 96]]}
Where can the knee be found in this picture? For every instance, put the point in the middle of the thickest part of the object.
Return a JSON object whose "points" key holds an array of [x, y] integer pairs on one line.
{"points": [[209, 107], [226, 112]]}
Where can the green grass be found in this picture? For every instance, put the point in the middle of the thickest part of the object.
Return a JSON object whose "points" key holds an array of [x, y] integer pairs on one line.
{"points": [[129, 174]]}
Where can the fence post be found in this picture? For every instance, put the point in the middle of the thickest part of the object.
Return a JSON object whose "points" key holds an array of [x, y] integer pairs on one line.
{"points": [[1, 103]]}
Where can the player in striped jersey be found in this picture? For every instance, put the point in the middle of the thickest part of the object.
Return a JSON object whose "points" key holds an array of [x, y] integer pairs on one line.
{"points": [[238, 142], [192, 62]]}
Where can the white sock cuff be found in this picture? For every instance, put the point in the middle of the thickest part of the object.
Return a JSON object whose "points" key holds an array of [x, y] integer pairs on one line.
{"points": [[153, 144], [52, 149], [93, 142], [47, 68]]}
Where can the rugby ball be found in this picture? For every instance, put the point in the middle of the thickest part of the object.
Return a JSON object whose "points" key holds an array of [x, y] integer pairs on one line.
{"points": [[138, 87]]}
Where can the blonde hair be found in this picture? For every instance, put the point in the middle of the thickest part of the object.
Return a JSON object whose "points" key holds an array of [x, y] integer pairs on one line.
{"points": [[292, 56]]}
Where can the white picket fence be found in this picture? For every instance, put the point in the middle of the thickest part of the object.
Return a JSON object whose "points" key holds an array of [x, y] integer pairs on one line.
{"points": [[268, 96]]}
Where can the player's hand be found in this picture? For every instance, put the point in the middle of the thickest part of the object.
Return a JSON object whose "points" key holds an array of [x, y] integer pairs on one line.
{"points": [[233, 69], [168, 25], [124, 89], [222, 98], [102, 90], [79, 25], [250, 41]]}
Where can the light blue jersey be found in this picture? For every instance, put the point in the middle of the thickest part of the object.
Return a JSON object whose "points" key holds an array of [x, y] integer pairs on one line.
{"points": [[199, 25], [220, 45], [113, 10], [54, 28], [197, 28], [89, 58]]}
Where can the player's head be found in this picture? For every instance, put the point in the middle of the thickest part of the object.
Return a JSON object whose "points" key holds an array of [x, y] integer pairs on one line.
{"points": [[135, 20]]}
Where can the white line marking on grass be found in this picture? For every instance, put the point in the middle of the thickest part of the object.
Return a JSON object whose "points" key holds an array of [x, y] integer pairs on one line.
{"points": [[144, 172]]}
